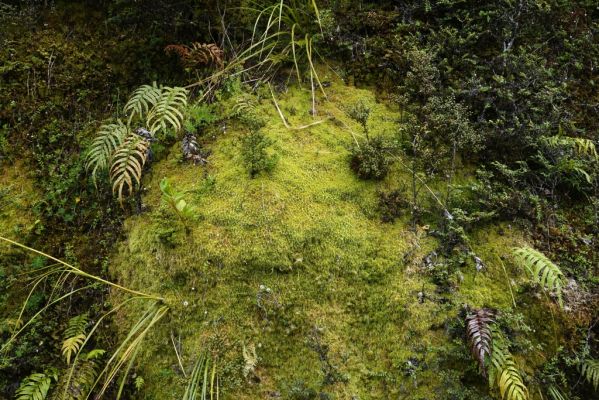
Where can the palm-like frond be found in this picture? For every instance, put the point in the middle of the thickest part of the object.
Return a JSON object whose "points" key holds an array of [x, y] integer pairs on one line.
{"points": [[542, 269], [478, 329], [503, 371], [203, 383], [590, 371], [142, 100], [109, 138], [168, 110], [74, 336], [127, 165], [35, 386]]}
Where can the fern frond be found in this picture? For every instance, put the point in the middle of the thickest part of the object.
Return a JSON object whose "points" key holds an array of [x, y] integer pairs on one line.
{"points": [[71, 346], [590, 371], [76, 325], [478, 329], [142, 100], [542, 269], [510, 382], [206, 54], [35, 386], [168, 110], [139, 383], [127, 165], [109, 137], [582, 146], [78, 383], [244, 105], [504, 373], [74, 336], [198, 54]]}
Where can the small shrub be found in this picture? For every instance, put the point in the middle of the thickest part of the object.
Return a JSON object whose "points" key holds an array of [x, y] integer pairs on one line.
{"points": [[254, 148], [300, 391], [185, 212], [371, 160], [199, 116], [360, 112], [392, 204]]}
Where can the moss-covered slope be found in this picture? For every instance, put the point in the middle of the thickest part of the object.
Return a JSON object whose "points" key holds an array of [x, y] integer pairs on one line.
{"points": [[297, 265]]}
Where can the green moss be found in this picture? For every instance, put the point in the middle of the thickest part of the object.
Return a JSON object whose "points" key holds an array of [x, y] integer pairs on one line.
{"points": [[309, 235], [17, 196]]}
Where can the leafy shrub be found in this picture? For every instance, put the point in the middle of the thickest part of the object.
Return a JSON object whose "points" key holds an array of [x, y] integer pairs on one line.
{"points": [[371, 160], [254, 148], [392, 204], [360, 112], [184, 211], [300, 391], [198, 116]]}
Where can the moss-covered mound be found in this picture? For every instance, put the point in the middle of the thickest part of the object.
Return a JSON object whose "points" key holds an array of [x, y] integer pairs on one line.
{"points": [[290, 277]]}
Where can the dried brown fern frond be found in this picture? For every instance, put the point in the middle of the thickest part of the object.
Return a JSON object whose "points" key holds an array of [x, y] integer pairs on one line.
{"points": [[478, 329], [182, 51], [198, 54]]}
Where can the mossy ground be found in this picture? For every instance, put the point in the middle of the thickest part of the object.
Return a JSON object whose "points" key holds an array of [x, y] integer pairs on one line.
{"points": [[17, 196], [297, 264]]}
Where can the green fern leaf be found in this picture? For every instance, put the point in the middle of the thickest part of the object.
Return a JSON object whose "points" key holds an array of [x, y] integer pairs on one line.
{"points": [[127, 165], [542, 269], [108, 139], [168, 110], [34, 387], [503, 372], [142, 100], [74, 336], [590, 371], [76, 325], [76, 383], [582, 146], [71, 346], [139, 383]]}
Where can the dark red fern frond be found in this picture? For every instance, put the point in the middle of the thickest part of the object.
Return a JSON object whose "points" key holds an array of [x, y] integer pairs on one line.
{"points": [[478, 329]]}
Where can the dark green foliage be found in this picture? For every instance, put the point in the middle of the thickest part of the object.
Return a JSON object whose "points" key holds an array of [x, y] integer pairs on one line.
{"points": [[300, 391], [199, 116], [36, 386], [360, 112], [255, 152], [371, 159], [392, 204]]}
